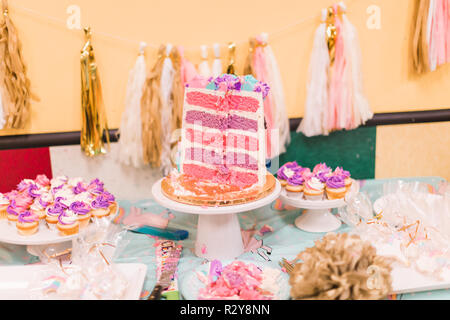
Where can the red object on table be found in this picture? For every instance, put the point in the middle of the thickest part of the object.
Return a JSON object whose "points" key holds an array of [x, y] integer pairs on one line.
{"points": [[19, 164]]}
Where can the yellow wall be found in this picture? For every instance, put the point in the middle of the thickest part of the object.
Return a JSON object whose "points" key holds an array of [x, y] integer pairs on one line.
{"points": [[51, 51], [413, 150]]}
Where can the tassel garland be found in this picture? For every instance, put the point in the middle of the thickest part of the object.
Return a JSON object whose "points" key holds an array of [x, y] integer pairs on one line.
{"points": [[130, 151], [94, 124]]}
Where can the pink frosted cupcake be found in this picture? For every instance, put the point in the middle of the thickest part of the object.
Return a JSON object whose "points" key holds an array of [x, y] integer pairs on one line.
{"points": [[314, 189], [322, 172], [4, 203], [347, 179]]}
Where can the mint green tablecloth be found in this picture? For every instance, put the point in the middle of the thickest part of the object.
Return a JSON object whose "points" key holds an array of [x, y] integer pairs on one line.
{"points": [[286, 240]]}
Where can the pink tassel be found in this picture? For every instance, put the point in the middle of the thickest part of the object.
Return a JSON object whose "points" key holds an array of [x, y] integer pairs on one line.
{"points": [[187, 68], [260, 69]]}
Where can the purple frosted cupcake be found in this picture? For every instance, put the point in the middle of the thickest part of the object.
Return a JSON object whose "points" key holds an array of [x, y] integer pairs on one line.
{"points": [[287, 171], [344, 173], [335, 187], [294, 187]]}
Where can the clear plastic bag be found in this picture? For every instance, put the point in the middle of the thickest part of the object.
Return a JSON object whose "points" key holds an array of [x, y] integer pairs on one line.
{"points": [[90, 273]]}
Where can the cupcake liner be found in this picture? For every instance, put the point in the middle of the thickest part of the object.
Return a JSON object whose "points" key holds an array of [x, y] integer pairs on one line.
{"points": [[293, 194], [316, 197]]}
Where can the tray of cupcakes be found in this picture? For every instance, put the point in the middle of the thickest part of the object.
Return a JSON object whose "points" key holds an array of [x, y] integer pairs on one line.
{"points": [[43, 211], [318, 188]]}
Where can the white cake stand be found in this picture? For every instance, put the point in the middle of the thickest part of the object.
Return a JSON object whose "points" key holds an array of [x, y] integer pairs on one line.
{"points": [[40, 240], [317, 216], [218, 230]]}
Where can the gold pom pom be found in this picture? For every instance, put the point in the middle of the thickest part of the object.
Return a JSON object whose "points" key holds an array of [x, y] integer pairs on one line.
{"points": [[341, 267]]}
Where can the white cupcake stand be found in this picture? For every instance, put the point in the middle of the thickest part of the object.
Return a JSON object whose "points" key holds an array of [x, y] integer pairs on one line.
{"points": [[218, 230], [317, 216]]}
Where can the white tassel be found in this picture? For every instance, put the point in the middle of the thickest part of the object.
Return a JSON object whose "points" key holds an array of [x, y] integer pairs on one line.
{"points": [[167, 75], [280, 118], [203, 67], [314, 121], [130, 142], [361, 108], [431, 44], [217, 63]]}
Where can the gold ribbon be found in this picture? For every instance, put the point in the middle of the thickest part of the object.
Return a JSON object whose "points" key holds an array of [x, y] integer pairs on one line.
{"points": [[94, 124], [231, 58], [331, 33]]}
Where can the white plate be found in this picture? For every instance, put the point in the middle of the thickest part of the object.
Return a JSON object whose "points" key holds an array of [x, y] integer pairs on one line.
{"points": [[191, 284], [15, 280]]}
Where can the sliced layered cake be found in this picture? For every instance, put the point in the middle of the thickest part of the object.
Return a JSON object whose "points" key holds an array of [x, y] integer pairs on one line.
{"points": [[223, 142], [223, 137]]}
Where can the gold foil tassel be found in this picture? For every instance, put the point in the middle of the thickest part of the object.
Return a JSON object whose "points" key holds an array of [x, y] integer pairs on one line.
{"points": [[94, 124], [16, 93], [420, 44], [231, 58], [151, 105], [331, 34], [248, 67]]}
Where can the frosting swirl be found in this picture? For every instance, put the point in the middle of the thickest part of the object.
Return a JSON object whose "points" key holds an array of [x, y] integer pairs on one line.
{"points": [[288, 170], [321, 167], [314, 184], [296, 180], [68, 217], [101, 202], [45, 199], [80, 208], [42, 180], [27, 217], [55, 210], [341, 172], [336, 182], [13, 209]]}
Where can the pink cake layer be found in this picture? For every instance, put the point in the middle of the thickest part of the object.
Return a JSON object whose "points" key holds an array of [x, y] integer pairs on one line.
{"points": [[218, 140], [232, 177], [211, 101], [220, 122], [235, 159]]}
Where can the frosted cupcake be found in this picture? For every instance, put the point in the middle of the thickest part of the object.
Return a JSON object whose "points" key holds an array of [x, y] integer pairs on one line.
{"points": [[294, 187], [96, 187], [112, 203], [335, 187], [322, 172], [100, 207], [313, 189], [286, 172], [38, 209], [52, 213], [12, 213], [347, 179], [68, 223], [4, 203], [83, 211], [27, 223]]}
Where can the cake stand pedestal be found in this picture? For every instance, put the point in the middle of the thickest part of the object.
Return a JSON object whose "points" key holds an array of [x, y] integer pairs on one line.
{"points": [[317, 216], [218, 230]]}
